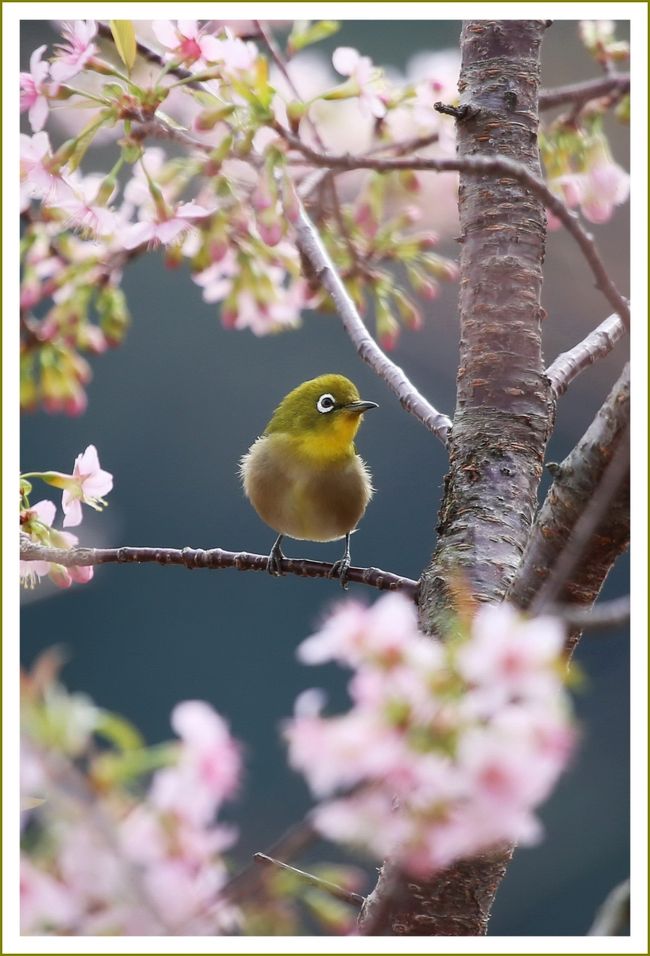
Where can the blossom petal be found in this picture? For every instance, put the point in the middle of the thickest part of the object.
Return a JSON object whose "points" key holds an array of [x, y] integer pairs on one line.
{"points": [[166, 33], [345, 60]]}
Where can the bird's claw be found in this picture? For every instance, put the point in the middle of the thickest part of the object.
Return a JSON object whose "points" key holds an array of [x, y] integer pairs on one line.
{"points": [[274, 563], [340, 570]]}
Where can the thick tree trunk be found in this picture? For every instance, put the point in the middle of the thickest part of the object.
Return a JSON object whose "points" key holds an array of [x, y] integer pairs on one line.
{"points": [[503, 410], [504, 407]]}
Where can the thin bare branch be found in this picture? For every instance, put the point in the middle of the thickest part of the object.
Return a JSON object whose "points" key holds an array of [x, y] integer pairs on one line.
{"points": [[311, 245], [577, 94], [339, 892], [600, 617], [482, 166], [267, 35], [158, 129], [596, 345], [613, 916], [294, 841], [214, 559]]}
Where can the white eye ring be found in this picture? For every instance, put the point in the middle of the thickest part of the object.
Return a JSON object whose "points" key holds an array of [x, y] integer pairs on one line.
{"points": [[325, 403]]}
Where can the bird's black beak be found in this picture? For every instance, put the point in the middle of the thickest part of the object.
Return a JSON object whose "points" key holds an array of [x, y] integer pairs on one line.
{"points": [[360, 406]]}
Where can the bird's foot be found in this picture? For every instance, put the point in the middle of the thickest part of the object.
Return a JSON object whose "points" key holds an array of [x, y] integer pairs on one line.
{"points": [[340, 570], [275, 559]]}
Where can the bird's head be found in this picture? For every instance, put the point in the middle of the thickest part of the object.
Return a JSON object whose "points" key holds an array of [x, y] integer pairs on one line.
{"points": [[322, 415]]}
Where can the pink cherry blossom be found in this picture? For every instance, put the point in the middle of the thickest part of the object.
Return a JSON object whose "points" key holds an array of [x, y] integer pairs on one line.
{"points": [[74, 53], [90, 482], [45, 902], [348, 62], [82, 878], [43, 513], [447, 749], [208, 768], [605, 186], [164, 230], [34, 90], [510, 656], [37, 174], [186, 42], [236, 55], [84, 213], [87, 483]]}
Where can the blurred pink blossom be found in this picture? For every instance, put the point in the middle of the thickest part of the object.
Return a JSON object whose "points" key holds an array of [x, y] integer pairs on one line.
{"points": [[134, 866], [605, 185], [164, 230], [45, 902], [85, 213], [448, 748], [365, 76]]}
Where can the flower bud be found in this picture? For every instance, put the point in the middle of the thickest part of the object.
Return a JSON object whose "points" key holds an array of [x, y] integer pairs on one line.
{"points": [[270, 227], [60, 576], [295, 112], [364, 217], [409, 180], [387, 326]]}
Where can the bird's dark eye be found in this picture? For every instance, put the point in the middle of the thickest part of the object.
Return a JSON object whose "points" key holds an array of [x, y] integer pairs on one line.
{"points": [[325, 403]]}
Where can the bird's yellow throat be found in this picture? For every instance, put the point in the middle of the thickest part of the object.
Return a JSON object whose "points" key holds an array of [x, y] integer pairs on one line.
{"points": [[333, 442]]}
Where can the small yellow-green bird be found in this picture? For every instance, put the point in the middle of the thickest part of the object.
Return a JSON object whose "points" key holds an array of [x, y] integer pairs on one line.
{"points": [[303, 475]]}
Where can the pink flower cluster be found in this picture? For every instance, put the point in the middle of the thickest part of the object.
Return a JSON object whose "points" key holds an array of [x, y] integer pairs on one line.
{"points": [[448, 748], [87, 484], [596, 183], [152, 867]]}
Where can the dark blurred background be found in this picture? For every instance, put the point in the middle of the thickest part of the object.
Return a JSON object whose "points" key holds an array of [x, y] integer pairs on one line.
{"points": [[172, 411]]}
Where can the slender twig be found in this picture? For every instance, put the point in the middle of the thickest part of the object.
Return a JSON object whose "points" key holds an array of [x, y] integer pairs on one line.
{"points": [[293, 842], [596, 345], [480, 166], [214, 559], [339, 892], [311, 245], [276, 53], [580, 93], [595, 510], [281, 63], [158, 129], [613, 916], [600, 617]]}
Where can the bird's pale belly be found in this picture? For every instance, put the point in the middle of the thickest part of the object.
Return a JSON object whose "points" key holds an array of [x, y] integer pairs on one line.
{"points": [[302, 500]]}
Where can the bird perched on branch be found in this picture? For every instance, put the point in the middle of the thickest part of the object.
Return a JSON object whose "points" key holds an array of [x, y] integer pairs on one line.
{"points": [[303, 475]]}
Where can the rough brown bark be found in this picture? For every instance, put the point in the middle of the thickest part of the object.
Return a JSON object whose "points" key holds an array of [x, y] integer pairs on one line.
{"points": [[503, 410], [504, 405]]}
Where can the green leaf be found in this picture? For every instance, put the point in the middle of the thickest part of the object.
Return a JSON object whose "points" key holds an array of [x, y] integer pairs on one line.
{"points": [[112, 90], [119, 731], [334, 915], [110, 768], [305, 33], [124, 35]]}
